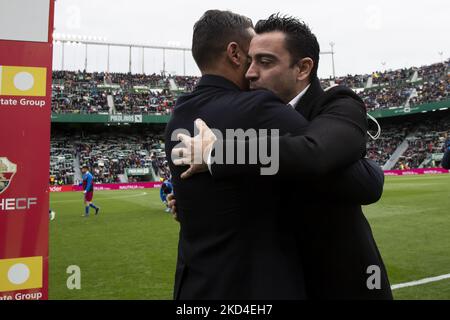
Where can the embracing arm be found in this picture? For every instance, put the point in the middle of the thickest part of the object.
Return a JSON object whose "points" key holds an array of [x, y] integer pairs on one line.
{"points": [[333, 140], [360, 183]]}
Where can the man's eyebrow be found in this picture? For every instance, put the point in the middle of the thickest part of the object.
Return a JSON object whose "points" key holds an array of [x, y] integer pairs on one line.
{"points": [[264, 55]]}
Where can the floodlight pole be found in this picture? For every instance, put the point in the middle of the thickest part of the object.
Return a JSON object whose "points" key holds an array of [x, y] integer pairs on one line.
{"points": [[332, 58], [85, 57], [184, 62], [129, 66], [143, 62], [441, 53], [164, 62], [107, 60], [62, 56]]}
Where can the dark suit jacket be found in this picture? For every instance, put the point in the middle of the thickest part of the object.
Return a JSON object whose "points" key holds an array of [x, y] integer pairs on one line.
{"points": [[446, 160], [231, 247], [336, 241]]}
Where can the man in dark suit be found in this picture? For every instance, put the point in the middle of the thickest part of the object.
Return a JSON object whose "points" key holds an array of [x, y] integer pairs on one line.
{"points": [[229, 248], [445, 163], [338, 250]]}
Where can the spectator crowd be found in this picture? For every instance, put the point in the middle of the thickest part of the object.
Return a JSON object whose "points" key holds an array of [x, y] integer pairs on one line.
{"points": [[86, 93], [110, 155]]}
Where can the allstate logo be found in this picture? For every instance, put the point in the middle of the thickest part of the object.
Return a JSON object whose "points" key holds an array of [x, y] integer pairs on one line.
{"points": [[7, 172]]}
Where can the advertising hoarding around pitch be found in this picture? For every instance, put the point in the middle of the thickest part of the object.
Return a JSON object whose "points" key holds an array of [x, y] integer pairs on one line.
{"points": [[26, 28]]}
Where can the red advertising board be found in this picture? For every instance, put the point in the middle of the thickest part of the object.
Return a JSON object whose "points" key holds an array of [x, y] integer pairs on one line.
{"points": [[25, 111], [414, 172], [108, 186]]}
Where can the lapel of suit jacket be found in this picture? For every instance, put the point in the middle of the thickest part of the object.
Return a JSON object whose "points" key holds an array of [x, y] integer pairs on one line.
{"points": [[306, 104]]}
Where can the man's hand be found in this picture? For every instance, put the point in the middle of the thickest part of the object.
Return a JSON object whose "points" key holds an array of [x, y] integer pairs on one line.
{"points": [[196, 150], [171, 203]]}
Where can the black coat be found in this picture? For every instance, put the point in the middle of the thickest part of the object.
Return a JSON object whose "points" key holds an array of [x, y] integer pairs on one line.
{"points": [[231, 245], [237, 239], [446, 159], [337, 245]]}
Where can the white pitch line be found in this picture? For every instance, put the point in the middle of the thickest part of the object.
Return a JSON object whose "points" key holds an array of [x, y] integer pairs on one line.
{"points": [[420, 282], [109, 198]]}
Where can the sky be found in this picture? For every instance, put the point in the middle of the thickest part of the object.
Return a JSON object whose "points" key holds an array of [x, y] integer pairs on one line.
{"points": [[368, 35]]}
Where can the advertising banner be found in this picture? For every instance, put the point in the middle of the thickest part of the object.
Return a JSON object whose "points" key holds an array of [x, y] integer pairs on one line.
{"points": [[413, 172], [26, 28], [109, 186]]}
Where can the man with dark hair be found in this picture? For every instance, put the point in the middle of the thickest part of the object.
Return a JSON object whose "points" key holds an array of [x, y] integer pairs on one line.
{"points": [[214, 31], [227, 248], [335, 240], [300, 42], [284, 48]]}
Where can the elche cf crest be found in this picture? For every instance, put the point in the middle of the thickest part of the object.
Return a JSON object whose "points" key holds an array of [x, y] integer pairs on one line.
{"points": [[7, 172]]}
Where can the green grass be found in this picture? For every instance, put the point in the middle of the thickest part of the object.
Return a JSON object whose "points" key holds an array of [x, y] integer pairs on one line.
{"points": [[129, 250], [411, 225]]}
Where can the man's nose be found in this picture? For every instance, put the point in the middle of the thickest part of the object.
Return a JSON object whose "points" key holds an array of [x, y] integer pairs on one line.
{"points": [[252, 73]]}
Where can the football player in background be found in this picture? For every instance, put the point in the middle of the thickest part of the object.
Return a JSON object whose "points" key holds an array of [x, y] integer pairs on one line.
{"points": [[88, 187], [166, 189]]}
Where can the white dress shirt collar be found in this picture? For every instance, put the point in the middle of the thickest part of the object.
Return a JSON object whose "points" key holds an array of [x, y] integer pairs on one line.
{"points": [[297, 98]]}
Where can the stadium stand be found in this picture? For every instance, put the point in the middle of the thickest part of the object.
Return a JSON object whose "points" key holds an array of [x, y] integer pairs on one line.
{"points": [[111, 156], [418, 140], [61, 160], [108, 155], [426, 139], [389, 89], [409, 142], [381, 150], [82, 92]]}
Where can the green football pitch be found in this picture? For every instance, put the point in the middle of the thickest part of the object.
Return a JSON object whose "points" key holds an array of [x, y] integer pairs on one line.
{"points": [[129, 250]]}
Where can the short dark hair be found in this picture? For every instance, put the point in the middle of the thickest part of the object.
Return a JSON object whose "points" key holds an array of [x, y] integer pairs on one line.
{"points": [[300, 41], [214, 31]]}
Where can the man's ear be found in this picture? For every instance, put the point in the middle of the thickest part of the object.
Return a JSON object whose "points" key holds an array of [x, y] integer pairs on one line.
{"points": [[234, 54], [305, 67]]}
